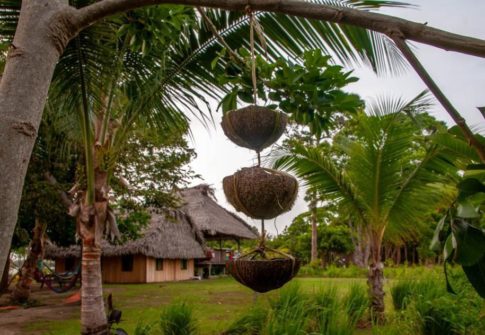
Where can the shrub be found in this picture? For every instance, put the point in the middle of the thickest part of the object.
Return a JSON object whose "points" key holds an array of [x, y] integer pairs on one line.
{"points": [[178, 319]]}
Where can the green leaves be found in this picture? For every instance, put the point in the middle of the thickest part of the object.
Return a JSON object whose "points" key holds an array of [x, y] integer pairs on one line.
{"points": [[309, 90], [476, 276], [470, 243], [465, 245]]}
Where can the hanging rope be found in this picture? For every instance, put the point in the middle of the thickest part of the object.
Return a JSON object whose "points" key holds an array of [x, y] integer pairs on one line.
{"points": [[253, 56], [262, 244]]}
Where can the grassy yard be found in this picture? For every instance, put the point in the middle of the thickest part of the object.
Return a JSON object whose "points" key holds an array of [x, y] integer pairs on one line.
{"points": [[216, 303], [219, 302]]}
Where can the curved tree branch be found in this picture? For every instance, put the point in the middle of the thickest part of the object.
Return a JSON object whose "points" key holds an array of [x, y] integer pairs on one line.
{"points": [[440, 96], [385, 24]]}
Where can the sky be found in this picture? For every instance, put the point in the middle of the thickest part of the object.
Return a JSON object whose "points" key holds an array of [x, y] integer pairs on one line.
{"points": [[461, 78]]}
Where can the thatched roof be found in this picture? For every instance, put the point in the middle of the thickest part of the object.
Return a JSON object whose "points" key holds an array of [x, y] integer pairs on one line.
{"points": [[169, 235], [213, 220]]}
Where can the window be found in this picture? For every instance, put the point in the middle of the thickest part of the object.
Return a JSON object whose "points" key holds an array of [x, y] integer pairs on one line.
{"points": [[183, 264], [127, 263], [159, 264]]}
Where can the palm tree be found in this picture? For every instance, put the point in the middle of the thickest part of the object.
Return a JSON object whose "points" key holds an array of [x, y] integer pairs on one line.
{"points": [[388, 179]]}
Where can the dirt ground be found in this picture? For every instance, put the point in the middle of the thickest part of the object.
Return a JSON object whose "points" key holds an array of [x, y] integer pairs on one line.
{"points": [[47, 306]]}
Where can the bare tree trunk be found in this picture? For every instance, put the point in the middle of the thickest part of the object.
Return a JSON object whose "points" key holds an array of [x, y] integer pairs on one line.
{"points": [[41, 35], [375, 279], [93, 315], [4, 280], [21, 291], [313, 209], [91, 221], [359, 256]]}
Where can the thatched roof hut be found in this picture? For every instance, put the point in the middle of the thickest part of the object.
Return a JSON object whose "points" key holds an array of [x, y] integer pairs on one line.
{"points": [[214, 221], [172, 247], [169, 235]]}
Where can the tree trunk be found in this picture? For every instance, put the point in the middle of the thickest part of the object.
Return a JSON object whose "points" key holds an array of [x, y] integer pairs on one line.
{"points": [[41, 35], [91, 221], [376, 286], [375, 279], [93, 315], [360, 255], [313, 209], [21, 291], [5, 276]]}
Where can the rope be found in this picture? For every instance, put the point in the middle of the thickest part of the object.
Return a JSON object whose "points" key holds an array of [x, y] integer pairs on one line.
{"points": [[253, 57]]}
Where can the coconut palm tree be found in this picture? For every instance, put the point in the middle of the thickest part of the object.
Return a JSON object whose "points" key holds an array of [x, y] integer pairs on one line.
{"points": [[389, 178]]}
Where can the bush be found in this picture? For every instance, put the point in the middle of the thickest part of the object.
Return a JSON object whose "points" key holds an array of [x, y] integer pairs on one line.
{"points": [[177, 319]]}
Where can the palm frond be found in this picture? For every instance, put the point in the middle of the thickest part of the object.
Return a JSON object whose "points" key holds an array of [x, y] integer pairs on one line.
{"points": [[319, 172]]}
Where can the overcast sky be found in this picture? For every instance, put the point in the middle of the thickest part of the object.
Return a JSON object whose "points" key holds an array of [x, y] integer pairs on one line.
{"points": [[461, 77]]}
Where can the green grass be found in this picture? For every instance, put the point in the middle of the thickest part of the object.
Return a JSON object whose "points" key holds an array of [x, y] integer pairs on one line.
{"points": [[216, 303]]}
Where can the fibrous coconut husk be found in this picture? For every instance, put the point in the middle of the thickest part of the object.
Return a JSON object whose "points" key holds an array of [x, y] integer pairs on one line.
{"points": [[254, 127], [261, 193], [263, 275]]}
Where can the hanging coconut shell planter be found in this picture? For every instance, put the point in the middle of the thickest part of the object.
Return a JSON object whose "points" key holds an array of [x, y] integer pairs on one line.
{"points": [[258, 192], [261, 193], [254, 127], [263, 275]]}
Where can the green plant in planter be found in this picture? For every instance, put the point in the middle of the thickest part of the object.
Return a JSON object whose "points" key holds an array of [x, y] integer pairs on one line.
{"points": [[309, 89]]}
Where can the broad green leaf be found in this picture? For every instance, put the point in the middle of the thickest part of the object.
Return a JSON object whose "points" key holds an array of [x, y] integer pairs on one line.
{"points": [[449, 288], [476, 276], [449, 247], [470, 186], [435, 242], [466, 210], [470, 241]]}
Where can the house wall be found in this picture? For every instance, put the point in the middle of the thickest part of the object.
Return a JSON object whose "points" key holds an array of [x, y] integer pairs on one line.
{"points": [[144, 270], [172, 270], [111, 270]]}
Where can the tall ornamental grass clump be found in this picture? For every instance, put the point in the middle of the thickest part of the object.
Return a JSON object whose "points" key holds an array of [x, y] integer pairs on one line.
{"points": [[293, 312], [178, 319], [288, 313], [423, 306], [356, 303], [249, 323]]}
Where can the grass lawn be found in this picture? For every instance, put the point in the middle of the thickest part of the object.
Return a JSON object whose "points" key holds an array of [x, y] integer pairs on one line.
{"points": [[216, 303]]}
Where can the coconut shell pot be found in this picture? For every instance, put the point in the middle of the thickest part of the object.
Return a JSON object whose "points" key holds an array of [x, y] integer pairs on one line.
{"points": [[263, 275], [254, 127], [261, 193]]}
